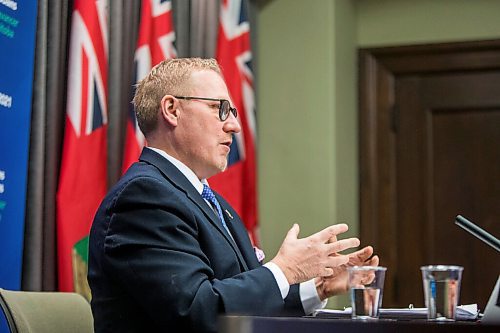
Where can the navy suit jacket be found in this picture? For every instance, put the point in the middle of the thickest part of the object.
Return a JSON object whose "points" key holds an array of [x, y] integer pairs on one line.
{"points": [[160, 259]]}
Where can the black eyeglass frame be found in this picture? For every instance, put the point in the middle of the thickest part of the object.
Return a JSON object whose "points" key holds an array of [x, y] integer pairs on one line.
{"points": [[224, 106]]}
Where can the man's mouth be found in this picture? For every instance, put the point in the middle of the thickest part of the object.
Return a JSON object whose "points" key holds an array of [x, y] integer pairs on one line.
{"points": [[226, 143]]}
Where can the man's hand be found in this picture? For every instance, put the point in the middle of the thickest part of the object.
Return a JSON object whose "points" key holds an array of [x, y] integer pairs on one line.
{"points": [[313, 256], [338, 282]]}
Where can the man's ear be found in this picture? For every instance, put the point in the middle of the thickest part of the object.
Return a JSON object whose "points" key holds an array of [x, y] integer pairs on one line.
{"points": [[170, 109]]}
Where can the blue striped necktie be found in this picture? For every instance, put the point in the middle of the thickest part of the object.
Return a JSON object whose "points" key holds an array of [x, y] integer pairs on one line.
{"points": [[208, 195]]}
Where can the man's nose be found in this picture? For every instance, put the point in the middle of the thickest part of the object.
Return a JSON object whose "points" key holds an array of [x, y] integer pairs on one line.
{"points": [[231, 124]]}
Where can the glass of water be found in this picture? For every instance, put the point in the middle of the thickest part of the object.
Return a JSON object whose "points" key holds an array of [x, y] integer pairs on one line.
{"points": [[366, 284], [441, 291]]}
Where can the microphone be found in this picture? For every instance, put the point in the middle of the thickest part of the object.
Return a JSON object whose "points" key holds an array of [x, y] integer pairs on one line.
{"points": [[478, 232]]}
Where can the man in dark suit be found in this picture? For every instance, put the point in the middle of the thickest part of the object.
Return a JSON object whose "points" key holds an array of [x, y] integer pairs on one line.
{"points": [[168, 254]]}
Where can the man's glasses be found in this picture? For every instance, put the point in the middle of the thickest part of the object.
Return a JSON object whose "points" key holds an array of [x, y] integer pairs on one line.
{"points": [[224, 106]]}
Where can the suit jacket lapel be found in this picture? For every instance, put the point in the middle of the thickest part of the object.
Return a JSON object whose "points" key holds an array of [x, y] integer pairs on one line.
{"points": [[182, 183], [240, 234]]}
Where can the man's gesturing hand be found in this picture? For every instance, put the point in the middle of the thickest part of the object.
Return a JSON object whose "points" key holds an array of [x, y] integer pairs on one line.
{"points": [[310, 257], [337, 283]]}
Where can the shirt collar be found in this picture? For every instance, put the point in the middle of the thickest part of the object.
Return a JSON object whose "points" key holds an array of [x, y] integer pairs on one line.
{"points": [[186, 171]]}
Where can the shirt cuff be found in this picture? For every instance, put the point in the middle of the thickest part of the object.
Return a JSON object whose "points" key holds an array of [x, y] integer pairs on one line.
{"points": [[280, 278], [310, 298]]}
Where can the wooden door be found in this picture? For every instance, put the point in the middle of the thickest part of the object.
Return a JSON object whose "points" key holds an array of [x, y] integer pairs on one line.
{"points": [[430, 149]]}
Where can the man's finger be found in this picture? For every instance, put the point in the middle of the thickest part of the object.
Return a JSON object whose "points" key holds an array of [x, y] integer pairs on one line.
{"points": [[331, 231], [364, 254], [374, 261], [343, 244], [337, 260]]}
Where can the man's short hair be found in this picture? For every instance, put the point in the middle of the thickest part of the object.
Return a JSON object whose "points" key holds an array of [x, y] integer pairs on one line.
{"points": [[166, 78]]}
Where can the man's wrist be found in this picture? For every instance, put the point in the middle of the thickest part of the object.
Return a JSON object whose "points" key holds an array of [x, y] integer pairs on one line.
{"points": [[310, 298], [280, 278], [282, 267]]}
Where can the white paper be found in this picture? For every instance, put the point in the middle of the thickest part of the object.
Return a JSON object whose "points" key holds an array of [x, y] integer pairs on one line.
{"points": [[464, 312]]}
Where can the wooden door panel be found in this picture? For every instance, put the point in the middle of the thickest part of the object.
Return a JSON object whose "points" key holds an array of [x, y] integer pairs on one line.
{"points": [[410, 201], [466, 180], [429, 150], [448, 163]]}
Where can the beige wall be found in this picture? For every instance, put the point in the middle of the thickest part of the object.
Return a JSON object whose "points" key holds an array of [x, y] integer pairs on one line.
{"points": [[398, 22], [295, 119], [307, 97]]}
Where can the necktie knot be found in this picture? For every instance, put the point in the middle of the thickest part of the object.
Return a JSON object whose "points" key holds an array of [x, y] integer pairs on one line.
{"points": [[207, 194]]}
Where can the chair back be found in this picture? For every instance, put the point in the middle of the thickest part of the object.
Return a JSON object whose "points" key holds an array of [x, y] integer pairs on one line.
{"points": [[44, 312]]}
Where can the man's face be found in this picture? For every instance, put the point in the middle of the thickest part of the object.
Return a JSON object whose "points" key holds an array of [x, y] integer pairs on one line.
{"points": [[205, 139]]}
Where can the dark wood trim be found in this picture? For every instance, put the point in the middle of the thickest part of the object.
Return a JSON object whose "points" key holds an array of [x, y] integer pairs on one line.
{"points": [[466, 56]]}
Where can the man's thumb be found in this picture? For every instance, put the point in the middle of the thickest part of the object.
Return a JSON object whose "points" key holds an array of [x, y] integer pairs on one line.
{"points": [[293, 232]]}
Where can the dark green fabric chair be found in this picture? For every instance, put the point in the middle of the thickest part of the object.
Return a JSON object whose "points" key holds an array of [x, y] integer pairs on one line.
{"points": [[44, 312]]}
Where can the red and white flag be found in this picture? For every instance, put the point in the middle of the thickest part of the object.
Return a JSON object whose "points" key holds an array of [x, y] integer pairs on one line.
{"points": [[154, 44], [82, 180], [238, 183]]}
